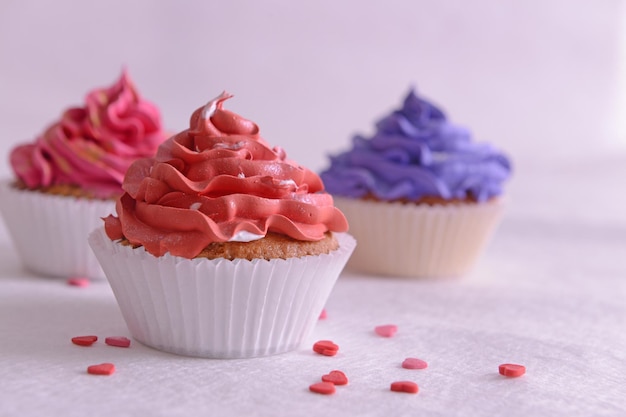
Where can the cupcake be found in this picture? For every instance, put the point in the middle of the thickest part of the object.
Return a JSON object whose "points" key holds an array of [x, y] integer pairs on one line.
{"points": [[421, 196], [222, 247], [70, 176]]}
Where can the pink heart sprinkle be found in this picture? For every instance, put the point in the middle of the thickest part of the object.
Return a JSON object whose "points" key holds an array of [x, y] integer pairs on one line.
{"points": [[335, 377], [409, 387], [512, 370], [325, 388], [118, 341], [388, 330], [101, 369], [414, 363], [84, 340], [78, 282], [326, 348]]}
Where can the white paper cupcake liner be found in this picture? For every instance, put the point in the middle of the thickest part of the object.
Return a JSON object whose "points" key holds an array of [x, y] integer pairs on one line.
{"points": [[219, 308], [50, 232], [418, 240]]}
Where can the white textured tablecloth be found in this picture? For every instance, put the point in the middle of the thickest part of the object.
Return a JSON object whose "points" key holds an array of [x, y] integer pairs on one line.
{"points": [[549, 293]]}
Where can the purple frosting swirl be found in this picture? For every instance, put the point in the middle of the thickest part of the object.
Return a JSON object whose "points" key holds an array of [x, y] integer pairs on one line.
{"points": [[417, 153]]}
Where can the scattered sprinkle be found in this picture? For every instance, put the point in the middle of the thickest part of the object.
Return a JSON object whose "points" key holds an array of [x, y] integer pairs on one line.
{"points": [[326, 348], [325, 388], [512, 370], [78, 282], [84, 340], [414, 363], [409, 387], [388, 330], [335, 378], [323, 314], [101, 369], [119, 341]]}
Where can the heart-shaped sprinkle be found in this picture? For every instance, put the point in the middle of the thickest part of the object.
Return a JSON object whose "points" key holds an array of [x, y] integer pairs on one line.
{"points": [[119, 341], [325, 388], [414, 363], [84, 340], [78, 282], [326, 348], [388, 330], [323, 314], [512, 370], [336, 378], [101, 369], [405, 386]]}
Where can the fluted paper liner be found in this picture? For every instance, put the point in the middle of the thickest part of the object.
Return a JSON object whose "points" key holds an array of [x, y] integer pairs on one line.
{"points": [[50, 232], [219, 308], [418, 240]]}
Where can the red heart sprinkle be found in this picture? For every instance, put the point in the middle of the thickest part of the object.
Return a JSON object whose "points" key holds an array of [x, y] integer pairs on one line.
{"points": [[323, 314], [118, 341], [84, 340], [405, 386], [414, 363], [326, 348], [388, 330], [512, 370], [336, 378], [78, 282], [325, 388], [102, 369]]}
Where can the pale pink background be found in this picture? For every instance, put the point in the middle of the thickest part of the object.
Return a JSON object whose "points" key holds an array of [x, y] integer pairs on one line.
{"points": [[538, 78]]}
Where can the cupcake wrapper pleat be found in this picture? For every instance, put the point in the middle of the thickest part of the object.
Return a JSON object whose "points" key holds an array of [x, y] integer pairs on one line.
{"points": [[50, 232], [219, 308], [418, 240]]}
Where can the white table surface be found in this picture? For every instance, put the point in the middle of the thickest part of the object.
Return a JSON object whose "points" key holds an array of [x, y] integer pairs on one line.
{"points": [[549, 293]]}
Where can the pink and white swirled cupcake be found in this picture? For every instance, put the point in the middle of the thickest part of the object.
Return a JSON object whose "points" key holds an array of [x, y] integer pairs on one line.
{"points": [[69, 177], [222, 247]]}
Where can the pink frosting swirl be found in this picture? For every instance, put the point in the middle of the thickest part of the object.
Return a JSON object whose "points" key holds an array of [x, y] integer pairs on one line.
{"points": [[214, 180], [93, 146]]}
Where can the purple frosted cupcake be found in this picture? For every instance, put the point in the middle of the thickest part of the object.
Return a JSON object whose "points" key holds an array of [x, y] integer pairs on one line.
{"points": [[421, 197]]}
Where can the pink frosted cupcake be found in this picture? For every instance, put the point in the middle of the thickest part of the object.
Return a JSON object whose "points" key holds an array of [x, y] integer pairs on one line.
{"points": [[69, 177], [222, 247]]}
